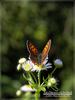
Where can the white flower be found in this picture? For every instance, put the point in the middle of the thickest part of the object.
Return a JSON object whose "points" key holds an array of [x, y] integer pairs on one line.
{"points": [[24, 64], [28, 65], [21, 62], [40, 67], [58, 63], [26, 88], [36, 67]]}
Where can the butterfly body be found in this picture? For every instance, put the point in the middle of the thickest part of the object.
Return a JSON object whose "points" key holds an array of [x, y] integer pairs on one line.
{"points": [[39, 58], [36, 57]]}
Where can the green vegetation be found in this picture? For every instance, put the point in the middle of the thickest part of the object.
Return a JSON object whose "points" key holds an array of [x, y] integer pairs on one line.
{"points": [[37, 21]]}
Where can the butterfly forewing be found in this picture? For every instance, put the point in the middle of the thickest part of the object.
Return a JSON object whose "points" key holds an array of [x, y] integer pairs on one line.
{"points": [[33, 51], [46, 51]]}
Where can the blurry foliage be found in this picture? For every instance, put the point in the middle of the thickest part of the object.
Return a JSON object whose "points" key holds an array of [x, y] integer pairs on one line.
{"points": [[36, 21]]}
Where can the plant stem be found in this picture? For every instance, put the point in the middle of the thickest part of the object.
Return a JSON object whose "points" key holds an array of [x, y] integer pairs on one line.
{"points": [[26, 78], [37, 96], [44, 81], [53, 71], [34, 77], [39, 77], [37, 93]]}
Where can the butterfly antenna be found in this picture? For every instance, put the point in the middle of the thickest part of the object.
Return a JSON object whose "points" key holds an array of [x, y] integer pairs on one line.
{"points": [[27, 44], [27, 41]]}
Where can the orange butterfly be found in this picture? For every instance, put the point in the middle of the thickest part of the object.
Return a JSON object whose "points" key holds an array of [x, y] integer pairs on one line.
{"points": [[35, 56]]}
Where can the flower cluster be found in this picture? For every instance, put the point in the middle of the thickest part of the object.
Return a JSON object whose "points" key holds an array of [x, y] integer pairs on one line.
{"points": [[28, 65], [33, 75]]}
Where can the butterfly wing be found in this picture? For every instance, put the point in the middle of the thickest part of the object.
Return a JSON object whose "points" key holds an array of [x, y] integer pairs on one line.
{"points": [[32, 51], [46, 51]]}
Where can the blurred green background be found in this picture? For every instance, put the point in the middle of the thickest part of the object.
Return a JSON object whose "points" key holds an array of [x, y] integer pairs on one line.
{"points": [[37, 21]]}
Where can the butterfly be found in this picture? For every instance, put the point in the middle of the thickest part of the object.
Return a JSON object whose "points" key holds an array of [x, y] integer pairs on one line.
{"points": [[36, 57]]}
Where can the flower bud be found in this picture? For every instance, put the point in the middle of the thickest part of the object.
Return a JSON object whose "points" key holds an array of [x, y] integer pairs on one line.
{"points": [[51, 81], [22, 60], [58, 63], [18, 93], [18, 67]]}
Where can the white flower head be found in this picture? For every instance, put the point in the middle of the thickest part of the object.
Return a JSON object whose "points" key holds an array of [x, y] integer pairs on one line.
{"points": [[40, 67], [24, 64], [58, 63], [27, 66], [21, 62], [37, 67], [26, 88]]}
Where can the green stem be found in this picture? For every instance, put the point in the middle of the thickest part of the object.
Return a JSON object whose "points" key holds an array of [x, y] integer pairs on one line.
{"points": [[37, 95], [53, 71], [26, 78], [44, 81], [34, 77], [39, 77]]}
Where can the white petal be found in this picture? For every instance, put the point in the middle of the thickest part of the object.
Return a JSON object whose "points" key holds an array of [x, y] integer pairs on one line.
{"points": [[49, 67], [48, 64], [18, 67], [27, 88]]}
